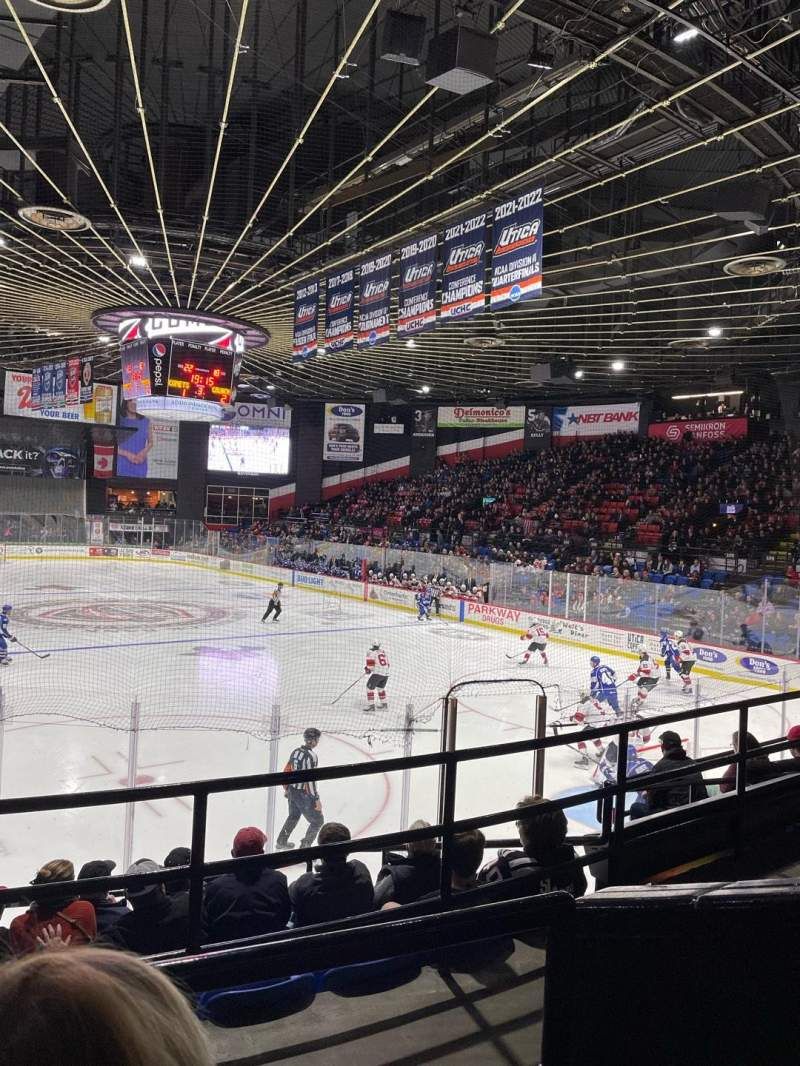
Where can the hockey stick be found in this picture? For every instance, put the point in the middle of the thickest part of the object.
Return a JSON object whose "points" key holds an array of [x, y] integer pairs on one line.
{"points": [[347, 690], [39, 655]]}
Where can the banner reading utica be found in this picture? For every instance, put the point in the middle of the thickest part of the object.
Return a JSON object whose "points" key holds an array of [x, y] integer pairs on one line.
{"points": [[416, 301], [306, 307], [599, 420], [517, 256], [487, 417], [464, 271], [344, 432], [339, 311], [700, 429], [373, 301]]}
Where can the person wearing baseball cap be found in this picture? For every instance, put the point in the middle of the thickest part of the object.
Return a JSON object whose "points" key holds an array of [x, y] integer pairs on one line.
{"points": [[677, 791], [158, 922], [793, 736], [251, 900], [108, 909]]}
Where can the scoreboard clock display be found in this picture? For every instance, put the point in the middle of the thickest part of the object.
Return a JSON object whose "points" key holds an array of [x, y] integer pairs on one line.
{"points": [[179, 379], [200, 372]]}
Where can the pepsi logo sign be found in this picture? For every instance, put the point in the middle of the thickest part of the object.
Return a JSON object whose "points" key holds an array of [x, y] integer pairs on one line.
{"points": [[758, 665]]}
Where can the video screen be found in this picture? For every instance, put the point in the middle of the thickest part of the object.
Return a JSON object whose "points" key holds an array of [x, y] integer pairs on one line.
{"points": [[242, 449]]}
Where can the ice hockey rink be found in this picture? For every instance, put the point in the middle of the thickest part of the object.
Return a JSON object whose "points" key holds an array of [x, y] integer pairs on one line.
{"points": [[182, 651]]}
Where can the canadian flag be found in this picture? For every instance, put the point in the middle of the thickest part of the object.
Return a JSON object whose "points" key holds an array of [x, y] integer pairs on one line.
{"points": [[103, 460]]}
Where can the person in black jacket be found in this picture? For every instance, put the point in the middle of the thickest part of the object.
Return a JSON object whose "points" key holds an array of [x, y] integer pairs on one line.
{"points": [[250, 901], [404, 878], [108, 909], [338, 888], [542, 832], [678, 791], [158, 922]]}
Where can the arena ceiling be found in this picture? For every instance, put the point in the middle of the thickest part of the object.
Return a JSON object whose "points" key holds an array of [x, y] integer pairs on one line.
{"points": [[222, 150]]}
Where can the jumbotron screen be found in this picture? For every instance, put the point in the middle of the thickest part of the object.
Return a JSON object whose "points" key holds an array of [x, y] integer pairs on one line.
{"points": [[179, 369], [234, 448]]}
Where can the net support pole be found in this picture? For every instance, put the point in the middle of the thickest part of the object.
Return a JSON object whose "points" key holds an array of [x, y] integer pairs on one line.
{"points": [[274, 733], [408, 743], [549, 593], [540, 728], [764, 597], [585, 594], [448, 743], [567, 597], [2, 735], [784, 690], [133, 760], [696, 729]]}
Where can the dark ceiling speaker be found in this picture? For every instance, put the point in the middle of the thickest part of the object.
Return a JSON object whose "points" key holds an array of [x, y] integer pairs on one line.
{"points": [[461, 60], [403, 38]]}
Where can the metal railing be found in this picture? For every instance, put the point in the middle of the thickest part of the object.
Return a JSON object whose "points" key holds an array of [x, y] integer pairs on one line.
{"points": [[611, 841]]}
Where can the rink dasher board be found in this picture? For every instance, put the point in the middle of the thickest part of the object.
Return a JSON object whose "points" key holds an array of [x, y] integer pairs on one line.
{"points": [[588, 636]]}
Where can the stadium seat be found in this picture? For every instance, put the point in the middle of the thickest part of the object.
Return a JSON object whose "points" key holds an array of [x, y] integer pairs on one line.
{"points": [[670, 579], [657, 579], [366, 978], [261, 1001], [681, 579], [707, 583]]}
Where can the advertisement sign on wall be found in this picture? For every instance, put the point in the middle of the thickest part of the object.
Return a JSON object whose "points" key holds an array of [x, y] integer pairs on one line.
{"points": [[598, 420], [344, 432], [485, 417], [151, 451], [306, 307], [339, 311], [416, 300], [517, 255], [258, 414], [464, 268], [700, 429], [41, 450], [101, 409], [374, 297]]}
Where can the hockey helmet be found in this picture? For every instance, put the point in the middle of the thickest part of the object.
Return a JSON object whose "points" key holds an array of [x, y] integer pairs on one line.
{"points": [[375, 646], [678, 634], [632, 753], [595, 659], [643, 656], [8, 607]]}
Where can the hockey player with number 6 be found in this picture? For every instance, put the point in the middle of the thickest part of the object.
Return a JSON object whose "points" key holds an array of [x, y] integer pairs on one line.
{"points": [[377, 670], [687, 659]]}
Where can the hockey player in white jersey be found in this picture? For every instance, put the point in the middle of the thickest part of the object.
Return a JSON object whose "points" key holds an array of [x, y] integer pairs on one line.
{"points": [[591, 714], [377, 669], [647, 675], [537, 636], [687, 659]]}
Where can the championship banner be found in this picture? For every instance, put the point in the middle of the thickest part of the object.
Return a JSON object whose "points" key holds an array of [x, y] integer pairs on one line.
{"points": [[306, 306], [373, 301], [599, 420], [344, 433], [537, 429], [481, 417], [339, 311], [416, 300], [517, 255], [464, 271], [700, 429]]}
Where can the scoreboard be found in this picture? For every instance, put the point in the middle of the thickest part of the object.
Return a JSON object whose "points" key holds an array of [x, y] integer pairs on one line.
{"points": [[163, 373]]}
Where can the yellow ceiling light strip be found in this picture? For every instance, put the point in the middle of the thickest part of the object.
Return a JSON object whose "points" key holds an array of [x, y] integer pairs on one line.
{"points": [[223, 125], [78, 139], [297, 143], [148, 148]]}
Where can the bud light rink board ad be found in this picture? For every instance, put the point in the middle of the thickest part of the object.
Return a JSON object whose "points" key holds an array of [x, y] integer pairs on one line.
{"points": [[306, 307], [373, 301], [416, 303], [517, 254], [344, 433], [339, 311], [464, 271]]}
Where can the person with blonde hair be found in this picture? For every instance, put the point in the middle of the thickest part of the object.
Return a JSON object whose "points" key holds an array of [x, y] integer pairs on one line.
{"points": [[90, 1007]]}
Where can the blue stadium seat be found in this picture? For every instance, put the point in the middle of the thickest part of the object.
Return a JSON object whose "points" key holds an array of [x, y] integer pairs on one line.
{"points": [[707, 583], [671, 579], [261, 1001], [681, 579], [365, 978], [608, 570], [657, 579]]}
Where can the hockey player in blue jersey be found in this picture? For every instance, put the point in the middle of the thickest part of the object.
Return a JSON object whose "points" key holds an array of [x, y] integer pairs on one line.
{"points": [[424, 600], [669, 653], [603, 684], [5, 636], [607, 767]]}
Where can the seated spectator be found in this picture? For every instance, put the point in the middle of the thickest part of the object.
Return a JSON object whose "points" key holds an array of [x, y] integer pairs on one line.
{"points": [[759, 767], [108, 909], [5, 938], [404, 878], [466, 856], [542, 833], [177, 857], [338, 888], [158, 922], [793, 736], [688, 788], [75, 916], [249, 901], [90, 1007]]}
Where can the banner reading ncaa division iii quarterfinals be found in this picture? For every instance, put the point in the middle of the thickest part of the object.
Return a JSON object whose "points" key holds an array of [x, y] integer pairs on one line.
{"points": [[373, 301], [517, 256], [416, 300], [306, 306], [464, 270]]}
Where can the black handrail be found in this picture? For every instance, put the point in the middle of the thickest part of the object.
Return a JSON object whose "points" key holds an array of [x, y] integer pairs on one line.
{"points": [[199, 870]]}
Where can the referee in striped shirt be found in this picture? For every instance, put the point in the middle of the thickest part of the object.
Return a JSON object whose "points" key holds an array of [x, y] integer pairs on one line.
{"points": [[303, 797]]}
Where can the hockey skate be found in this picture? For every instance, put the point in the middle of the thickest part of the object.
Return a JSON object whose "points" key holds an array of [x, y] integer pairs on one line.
{"points": [[283, 845], [583, 761], [6, 661]]}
